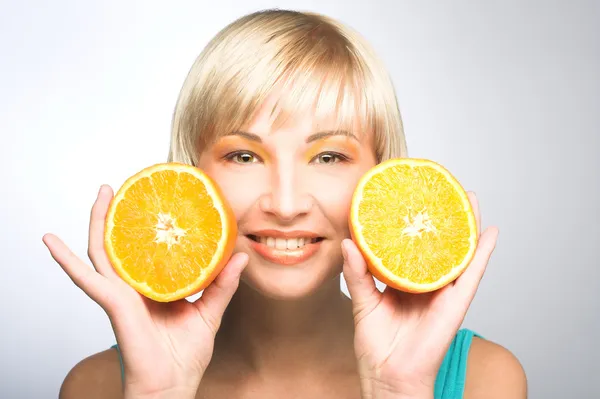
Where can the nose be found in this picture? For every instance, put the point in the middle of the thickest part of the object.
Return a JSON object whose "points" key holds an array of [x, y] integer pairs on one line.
{"points": [[287, 197]]}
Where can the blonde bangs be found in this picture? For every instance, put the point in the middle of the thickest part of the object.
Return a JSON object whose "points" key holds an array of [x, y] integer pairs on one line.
{"points": [[322, 82], [304, 58]]}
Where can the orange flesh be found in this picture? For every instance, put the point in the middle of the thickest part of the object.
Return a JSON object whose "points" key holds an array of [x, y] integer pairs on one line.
{"points": [[415, 223], [165, 232]]}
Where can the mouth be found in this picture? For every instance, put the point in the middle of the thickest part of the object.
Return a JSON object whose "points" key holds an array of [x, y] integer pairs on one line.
{"points": [[285, 250], [285, 243]]}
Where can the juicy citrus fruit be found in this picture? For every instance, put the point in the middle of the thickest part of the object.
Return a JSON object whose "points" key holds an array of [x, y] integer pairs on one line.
{"points": [[169, 232], [414, 224]]}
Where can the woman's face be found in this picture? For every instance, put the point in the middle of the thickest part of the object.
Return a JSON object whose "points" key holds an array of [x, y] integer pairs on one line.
{"points": [[290, 190]]}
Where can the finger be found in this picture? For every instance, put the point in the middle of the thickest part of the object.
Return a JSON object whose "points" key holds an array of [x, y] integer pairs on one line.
{"points": [[218, 294], [466, 285], [96, 251], [361, 285], [475, 205], [84, 277]]}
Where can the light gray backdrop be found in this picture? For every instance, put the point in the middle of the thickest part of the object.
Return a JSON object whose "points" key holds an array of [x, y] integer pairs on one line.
{"points": [[506, 94]]}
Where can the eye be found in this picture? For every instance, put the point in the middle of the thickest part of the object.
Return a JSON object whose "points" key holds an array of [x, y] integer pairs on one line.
{"points": [[329, 158], [242, 157]]}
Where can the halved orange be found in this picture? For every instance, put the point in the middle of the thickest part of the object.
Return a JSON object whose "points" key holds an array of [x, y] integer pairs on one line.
{"points": [[169, 231], [413, 223]]}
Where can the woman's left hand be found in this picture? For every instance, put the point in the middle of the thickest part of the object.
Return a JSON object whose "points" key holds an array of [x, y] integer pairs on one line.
{"points": [[400, 338]]}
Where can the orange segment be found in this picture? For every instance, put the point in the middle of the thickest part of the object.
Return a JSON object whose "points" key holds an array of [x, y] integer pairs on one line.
{"points": [[414, 224], [169, 231]]}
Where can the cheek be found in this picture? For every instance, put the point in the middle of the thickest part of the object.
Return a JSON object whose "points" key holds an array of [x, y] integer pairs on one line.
{"points": [[334, 196], [236, 188]]}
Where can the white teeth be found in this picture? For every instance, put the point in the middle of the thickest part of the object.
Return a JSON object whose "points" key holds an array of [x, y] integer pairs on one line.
{"points": [[282, 243]]}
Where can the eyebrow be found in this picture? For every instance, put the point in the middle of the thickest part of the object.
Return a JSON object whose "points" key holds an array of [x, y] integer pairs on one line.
{"points": [[309, 139], [330, 133], [249, 136]]}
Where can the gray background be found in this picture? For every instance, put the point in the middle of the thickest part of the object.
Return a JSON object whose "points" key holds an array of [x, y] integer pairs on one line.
{"points": [[503, 93]]}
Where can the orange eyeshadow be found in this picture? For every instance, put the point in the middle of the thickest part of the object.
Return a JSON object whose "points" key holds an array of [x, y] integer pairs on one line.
{"points": [[337, 143], [237, 143]]}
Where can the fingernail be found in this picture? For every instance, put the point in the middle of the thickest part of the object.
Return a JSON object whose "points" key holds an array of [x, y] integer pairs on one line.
{"points": [[244, 264], [344, 251]]}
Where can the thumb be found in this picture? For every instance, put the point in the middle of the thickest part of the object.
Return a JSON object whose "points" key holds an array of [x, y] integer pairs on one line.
{"points": [[218, 294], [360, 282]]}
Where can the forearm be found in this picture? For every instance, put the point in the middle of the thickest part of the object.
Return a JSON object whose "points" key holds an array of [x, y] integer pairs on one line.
{"points": [[183, 390], [396, 395], [385, 394], [173, 393], [371, 389]]}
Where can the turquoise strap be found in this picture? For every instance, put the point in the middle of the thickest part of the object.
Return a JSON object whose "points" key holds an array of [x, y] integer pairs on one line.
{"points": [[120, 362], [450, 381]]}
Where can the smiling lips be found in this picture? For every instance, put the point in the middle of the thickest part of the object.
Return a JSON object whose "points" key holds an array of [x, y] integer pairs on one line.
{"points": [[285, 248]]}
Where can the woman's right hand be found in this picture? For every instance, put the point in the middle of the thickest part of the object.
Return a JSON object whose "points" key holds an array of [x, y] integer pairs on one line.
{"points": [[165, 347]]}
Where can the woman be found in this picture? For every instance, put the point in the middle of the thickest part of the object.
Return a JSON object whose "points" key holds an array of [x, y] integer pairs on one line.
{"points": [[286, 111]]}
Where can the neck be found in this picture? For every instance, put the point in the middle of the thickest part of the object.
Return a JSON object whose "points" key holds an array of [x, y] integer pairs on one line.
{"points": [[277, 336]]}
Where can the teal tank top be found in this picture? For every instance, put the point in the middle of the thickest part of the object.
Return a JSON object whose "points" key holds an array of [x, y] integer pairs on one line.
{"points": [[450, 381]]}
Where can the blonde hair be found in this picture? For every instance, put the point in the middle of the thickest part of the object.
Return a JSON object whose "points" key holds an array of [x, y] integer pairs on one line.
{"points": [[322, 64]]}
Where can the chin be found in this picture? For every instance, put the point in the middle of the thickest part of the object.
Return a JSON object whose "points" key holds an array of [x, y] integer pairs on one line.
{"points": [[292, 282]]}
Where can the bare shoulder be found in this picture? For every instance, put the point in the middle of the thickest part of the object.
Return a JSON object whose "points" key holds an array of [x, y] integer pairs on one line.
{"points": [[95, 377], [494, 372]]}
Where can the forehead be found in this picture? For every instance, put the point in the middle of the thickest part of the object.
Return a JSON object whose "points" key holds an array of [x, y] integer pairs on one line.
{"points": [[272, 117], [300, 102]]}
